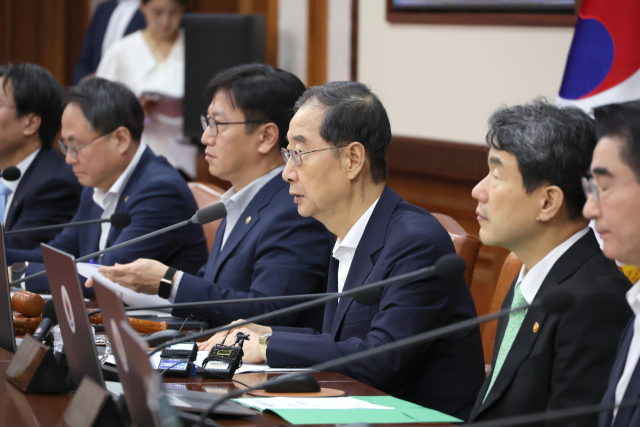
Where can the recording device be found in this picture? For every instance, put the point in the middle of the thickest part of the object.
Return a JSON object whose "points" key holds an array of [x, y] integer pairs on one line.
{"points": [[223, 360], [11, 173], [49, 320], [117, 220], [202, 216], [177, 360]]}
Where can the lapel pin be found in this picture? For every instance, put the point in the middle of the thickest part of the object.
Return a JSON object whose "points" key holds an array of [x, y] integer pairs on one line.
{"points": [[536, 326], [248, 220], [126, 198]]}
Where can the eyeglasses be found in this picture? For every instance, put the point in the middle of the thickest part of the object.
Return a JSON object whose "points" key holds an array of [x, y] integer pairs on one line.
{"points": [[212, 124], [66, 147], [296, 155], [590, 187]]}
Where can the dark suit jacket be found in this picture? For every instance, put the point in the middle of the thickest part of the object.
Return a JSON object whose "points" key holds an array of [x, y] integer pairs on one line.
{"points": [[155, 196], [276, 253], [445, 374], [92, 46], [48, 194], [626, 417], [565, 363]]}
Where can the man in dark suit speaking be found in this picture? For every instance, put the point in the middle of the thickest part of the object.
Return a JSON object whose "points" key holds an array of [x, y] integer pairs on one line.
{"points": [[101, 128], [531, 203], [336, 170], [47, 193]]}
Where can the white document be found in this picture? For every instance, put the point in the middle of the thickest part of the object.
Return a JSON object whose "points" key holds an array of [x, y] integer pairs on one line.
{"points": [[129, 297], [308, 403], [263, 367]]}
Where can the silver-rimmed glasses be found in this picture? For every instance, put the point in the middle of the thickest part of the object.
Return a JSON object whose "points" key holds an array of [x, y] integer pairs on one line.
{"points": [[66, 147], [212, 124], [590, 186], [296, 155]]}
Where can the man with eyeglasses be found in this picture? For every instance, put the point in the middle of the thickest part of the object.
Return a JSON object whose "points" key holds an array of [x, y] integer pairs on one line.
{"points": [[531, 203], [613, 202], [336, 170], [263, 248], [101, 127], [47, 193]]}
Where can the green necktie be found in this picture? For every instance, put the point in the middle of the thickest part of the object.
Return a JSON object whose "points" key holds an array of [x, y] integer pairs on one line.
{"points": [[515, 321]]}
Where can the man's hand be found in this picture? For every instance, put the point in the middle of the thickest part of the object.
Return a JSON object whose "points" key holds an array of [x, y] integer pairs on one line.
{"points": [[251, 346], [142, 276], [252, 328]]}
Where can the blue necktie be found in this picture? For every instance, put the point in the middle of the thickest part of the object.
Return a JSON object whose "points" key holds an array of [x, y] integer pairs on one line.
{"points": [[4, 193]]}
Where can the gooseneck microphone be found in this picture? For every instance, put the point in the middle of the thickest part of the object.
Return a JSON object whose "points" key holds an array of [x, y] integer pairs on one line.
{"points": [[117, 220], [202, 216], [447, 267], [555, 301], [49, 320], [11, 173]]}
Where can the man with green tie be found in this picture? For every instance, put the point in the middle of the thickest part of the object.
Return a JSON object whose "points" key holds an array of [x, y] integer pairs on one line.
{"points": [[531, 204]]}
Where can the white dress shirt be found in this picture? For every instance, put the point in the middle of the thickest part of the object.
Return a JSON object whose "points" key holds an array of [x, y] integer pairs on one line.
{"points": [[633, 298], [119, 21], [344, 250], [13, 185], [532, 279], [236, 203], [109, 201]]}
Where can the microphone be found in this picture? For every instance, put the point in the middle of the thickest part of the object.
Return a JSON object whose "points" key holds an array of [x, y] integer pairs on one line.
{"points": [[441, 268], [11, 173], [554, 301], [202, 216], [117, 220], [49, 319]]}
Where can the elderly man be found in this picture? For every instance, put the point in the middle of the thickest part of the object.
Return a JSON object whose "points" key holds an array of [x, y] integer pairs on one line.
{"points": [[101, 127], [336, 170], [613, 192], [263, 248], [47, 193], [531, 204]]}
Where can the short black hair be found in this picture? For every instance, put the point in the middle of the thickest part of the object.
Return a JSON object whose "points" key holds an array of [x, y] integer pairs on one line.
{"points": [[107, 105], [353, 113], [182, 2], [622, 121], [36, 91], [552, 145], [263, 93]]}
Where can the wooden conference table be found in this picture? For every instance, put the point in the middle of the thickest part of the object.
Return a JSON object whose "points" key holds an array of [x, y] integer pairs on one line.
{"points": [[30, 410]]}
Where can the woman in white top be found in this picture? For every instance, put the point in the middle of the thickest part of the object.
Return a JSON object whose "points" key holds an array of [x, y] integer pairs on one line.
{"points": [[151, 63]]}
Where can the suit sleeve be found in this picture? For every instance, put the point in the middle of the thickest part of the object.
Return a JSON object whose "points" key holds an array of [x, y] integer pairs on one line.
{"points": [[290, 258], [406, 309], [584, 346]]}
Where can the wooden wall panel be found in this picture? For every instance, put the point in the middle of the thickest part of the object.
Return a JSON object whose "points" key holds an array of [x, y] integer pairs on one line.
{"points": [[317, 42]]}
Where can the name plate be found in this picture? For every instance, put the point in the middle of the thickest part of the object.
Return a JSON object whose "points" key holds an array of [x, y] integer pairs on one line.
{"points": [[91, 404], [26, 361]]}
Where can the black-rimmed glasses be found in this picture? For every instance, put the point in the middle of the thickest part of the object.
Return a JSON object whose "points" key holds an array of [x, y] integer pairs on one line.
{"points": [[212, 124], [296, 155]]}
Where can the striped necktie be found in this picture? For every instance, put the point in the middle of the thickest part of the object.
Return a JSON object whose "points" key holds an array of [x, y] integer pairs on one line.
{"points": [[510, 333]]}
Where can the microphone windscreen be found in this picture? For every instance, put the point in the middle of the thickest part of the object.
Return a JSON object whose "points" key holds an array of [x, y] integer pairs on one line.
{"points": [[11, 173], [210, 214], [450, 267], [558, 301], [49, 311], [120, 220]]}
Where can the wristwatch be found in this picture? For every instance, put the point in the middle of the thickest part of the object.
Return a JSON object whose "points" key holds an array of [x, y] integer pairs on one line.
{"points": [[164, 290], [17, 270], [263, 340]]}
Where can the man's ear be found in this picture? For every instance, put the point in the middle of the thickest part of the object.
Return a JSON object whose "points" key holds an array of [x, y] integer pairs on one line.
{"points": [[33, 122], [269, 136], [354, 158], [123, 138], [551, 201]]}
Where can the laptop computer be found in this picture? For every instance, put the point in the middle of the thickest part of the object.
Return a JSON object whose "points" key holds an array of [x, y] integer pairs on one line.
{"points": [[132, 362], [7, 335]]}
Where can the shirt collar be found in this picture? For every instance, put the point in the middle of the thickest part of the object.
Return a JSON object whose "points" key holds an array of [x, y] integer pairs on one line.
{"points": [[532, 280], [241, 199], [23, 166], [117, 187], [633, 298], [354, 235]]}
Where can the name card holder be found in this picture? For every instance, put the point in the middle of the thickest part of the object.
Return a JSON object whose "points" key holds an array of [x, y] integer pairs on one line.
{"points": [[92, 406], [34, 369]]}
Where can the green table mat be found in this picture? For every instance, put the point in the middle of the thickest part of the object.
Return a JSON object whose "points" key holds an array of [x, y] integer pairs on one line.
{"points": [[404, 412]]}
